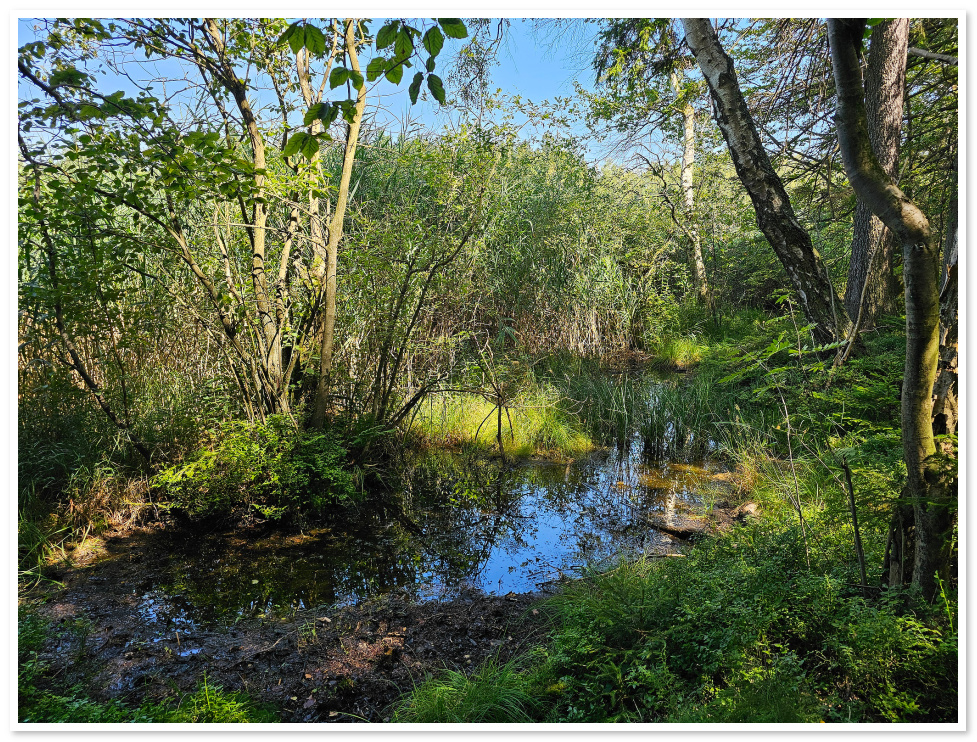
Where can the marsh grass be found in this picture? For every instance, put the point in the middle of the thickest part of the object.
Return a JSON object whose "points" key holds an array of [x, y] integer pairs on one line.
{"points": [[534, 422], [494, 694]]}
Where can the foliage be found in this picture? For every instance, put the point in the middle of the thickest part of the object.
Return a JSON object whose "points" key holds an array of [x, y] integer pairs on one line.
{"points": [[741, 630], [270, 466]]}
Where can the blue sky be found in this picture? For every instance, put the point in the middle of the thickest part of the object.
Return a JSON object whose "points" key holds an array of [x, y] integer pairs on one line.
{"points": [[534, 66]]}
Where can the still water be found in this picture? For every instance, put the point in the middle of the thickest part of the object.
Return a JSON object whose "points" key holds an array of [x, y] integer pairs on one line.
{"points": [[462, 523]]}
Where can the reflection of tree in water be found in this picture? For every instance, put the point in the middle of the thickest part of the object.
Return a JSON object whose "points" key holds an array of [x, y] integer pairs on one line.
{"points": [[455, 520]]}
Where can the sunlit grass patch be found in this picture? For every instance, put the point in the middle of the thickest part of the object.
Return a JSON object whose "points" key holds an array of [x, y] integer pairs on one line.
{"points": [[531, 423]]}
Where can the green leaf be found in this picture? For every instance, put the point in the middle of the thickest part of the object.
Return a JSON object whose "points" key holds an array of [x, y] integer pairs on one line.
{"points": [[338, 76], [430, 64], [453, 28], [330, 116], [310, 148], [395, 74], [433, 41], [436, 87], [349, 110], [415, 87], [318, 111], [287, 33], [295, 143], [297, 39], [387, 34], [315, 41], [404, 45], [375, 68], [356, 78]]}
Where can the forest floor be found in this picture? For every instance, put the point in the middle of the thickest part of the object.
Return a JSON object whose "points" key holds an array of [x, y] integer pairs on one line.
{"points": [[347, 664]]}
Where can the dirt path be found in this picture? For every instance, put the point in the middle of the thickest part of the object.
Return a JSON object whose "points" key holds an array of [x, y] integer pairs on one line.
{"points": [[344, 665]]}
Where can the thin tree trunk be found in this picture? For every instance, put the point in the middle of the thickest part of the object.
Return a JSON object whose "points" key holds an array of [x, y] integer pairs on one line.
{"points": [[775, 216], [885, 84], [270, 336], [945, 402], [688, 198], [931, 498], [335, 234]]}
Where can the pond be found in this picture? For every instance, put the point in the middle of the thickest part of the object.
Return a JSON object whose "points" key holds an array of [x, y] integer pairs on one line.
{"points": [[463, 523]]}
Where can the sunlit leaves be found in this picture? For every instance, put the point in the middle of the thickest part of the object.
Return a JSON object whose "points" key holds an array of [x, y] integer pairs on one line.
{"points": [[338, 76], [453, 28], [433, 41], [436, 87], [326, 112], [404, 43], [315, 41], [302, 142], [301, 34], [415, 87], [387, 34]]}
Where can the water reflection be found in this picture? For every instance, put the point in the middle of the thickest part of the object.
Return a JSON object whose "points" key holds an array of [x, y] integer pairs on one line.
{"points": [[457, 523]]}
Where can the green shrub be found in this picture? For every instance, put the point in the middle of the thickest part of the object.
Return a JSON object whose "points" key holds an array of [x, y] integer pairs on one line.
{"points": [[270, 465], [744, 630]]}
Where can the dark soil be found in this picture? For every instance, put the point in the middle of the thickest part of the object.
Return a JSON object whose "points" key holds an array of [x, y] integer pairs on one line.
{"points": [[343, 665]]}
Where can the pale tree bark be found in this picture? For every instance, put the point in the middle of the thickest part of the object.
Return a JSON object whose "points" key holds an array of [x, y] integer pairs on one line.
{"points": [[321, 407], [687, 111], [930, 494], [775, 216], [872, 242], [274, 385]]}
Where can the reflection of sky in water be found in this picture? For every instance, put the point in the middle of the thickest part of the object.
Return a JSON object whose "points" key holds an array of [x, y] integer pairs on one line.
{"points": [[466, 523], [584, 513]]}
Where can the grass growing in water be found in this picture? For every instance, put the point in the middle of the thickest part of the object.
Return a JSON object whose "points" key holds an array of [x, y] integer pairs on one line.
{"points": [[533, 422]]}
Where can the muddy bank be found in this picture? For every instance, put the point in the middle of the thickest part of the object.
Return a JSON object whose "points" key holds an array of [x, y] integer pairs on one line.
{"points": [[348, 664]]}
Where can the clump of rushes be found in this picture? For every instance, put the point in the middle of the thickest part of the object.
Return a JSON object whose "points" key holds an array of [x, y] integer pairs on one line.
{"points": [[495, 693]]}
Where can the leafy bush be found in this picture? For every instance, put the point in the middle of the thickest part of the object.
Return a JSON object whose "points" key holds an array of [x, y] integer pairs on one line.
{"points": [[744, 630], [270, 465]]}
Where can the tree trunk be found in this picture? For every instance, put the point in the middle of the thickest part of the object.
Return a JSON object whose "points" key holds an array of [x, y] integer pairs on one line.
{"points": [[925, 486], [335, 234], [775, 216], [945, 402], [872, 241], [688, 198], [270, 338]]}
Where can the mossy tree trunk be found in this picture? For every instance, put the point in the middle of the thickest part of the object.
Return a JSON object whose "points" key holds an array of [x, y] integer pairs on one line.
{"points": [[872, 242], [926, 486]]}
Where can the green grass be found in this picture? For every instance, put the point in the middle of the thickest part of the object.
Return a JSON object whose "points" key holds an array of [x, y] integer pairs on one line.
{"points": [[495, 693], [742, 630], [534, 422]]}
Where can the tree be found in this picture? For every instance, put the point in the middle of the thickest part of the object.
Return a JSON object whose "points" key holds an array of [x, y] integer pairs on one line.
{"points": [[775, 216], [211, 177], [872, 286], [643, 75], [927, 484]]}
